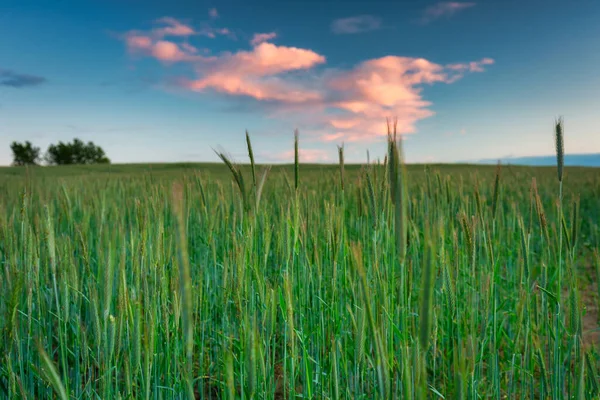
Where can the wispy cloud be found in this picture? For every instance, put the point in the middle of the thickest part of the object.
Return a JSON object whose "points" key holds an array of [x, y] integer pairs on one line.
{"points": [[189, 48], [173, 28], [262, 37], [444, 9], [213, 13], [358, 24], [154, 43], [212, 33], [474, 66], [18, 80]]}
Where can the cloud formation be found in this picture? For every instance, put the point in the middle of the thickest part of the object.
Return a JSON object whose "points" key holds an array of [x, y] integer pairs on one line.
{"points": [[173, 28], [473, 66], [349, 105], [444, 9], [213, 13], [17, 80], [387, 87], [358, 24], [162, 50], [262, 37], [153, 43], [256, 73], [290, 82], [212, 33]]}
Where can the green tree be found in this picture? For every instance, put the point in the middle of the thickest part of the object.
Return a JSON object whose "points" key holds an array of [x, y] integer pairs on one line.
{"points": [[76, 152], [25, 153]]}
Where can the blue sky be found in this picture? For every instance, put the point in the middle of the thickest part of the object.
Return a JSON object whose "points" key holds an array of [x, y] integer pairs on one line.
{"points": [[169, 81]]}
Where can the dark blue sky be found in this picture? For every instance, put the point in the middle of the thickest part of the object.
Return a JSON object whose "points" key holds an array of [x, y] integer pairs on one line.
{"points": [[170, 80]]}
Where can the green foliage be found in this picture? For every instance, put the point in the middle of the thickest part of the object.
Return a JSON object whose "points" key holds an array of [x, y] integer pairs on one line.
{"points": [[150, 282], [76, 152], [25, 154]]}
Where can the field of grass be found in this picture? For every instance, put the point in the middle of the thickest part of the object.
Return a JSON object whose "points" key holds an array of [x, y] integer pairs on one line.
{"points": [[361, 282]]}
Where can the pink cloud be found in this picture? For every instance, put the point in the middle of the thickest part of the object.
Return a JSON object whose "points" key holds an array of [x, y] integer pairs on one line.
{"points": [[152, 43], [358, 24], [258, 38], [306, 155], [189, 48], [380, 88], [386, 87], [473, 66], [332, 137], [167, 51], [213, 13], [162, 50], [269, 59], [253, 73], [362, 97], [477, 66], [338, 105], [347, 123], [444, 9], [212, 33], [138, 42], [260, 89], [172, 28]]}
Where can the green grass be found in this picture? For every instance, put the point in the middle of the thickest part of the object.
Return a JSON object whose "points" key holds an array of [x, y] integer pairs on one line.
{"points": [[167, 282]]}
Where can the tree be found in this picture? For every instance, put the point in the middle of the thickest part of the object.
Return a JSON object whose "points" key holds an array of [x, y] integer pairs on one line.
{"points": [[76, 152], [25, 153]]}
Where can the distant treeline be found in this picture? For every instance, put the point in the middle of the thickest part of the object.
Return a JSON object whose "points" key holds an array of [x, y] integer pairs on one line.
{"points": [[75, 152]]}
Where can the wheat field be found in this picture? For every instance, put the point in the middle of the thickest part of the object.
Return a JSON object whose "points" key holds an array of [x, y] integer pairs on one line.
{"points": [[300, 281]]}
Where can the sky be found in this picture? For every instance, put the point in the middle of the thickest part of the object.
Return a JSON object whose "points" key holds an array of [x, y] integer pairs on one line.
{"points": [[171, 81]]}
